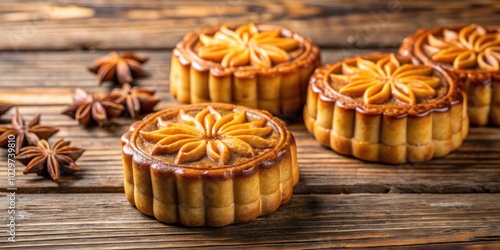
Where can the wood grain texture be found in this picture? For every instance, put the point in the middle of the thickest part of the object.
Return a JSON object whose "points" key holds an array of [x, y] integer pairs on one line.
{"points": [[107, 221], [42, 82], [156, 24]]}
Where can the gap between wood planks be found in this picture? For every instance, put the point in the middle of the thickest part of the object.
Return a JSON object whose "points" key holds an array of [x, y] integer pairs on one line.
{"points": [[355, 220]]}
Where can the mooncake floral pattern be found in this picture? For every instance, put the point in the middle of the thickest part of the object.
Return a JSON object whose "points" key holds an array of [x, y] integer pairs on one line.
{"points": [[377, 82], [246, 46], [469, 48], [209, 133]]}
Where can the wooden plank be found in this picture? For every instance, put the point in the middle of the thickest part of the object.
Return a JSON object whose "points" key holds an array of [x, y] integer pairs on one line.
{"points": [[156, 24], [107, 221]]}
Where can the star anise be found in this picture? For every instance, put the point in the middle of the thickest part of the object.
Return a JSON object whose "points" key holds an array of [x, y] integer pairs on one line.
{"points": [[4, 107], [26, 133], [137, 100], [50, 161], [89, 109], [121, 68]]}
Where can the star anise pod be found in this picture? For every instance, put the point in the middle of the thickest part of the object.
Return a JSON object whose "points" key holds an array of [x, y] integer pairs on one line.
{"points": [[120, 68], [137, 100], [50, 161], [89, 109], [4, 107], [28, 133]]}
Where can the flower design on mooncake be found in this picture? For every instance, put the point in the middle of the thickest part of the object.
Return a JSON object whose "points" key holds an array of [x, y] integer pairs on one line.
{"points": [[209, 133], [470, 47], [379, 81], [246, 46]]}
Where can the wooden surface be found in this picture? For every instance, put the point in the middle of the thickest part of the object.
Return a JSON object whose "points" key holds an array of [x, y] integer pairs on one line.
{"points": [[107, 221], [158, 24], [447, 203]]}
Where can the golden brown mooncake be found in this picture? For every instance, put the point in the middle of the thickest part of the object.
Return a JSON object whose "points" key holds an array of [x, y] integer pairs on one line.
{"points": [[209, 164], [472, 55], [383, 108], [255, 65]]}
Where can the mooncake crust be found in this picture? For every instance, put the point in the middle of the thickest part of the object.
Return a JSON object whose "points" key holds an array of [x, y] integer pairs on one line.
{"points": [[482, 86], [280, 89], [209, 194], [389, 133]]}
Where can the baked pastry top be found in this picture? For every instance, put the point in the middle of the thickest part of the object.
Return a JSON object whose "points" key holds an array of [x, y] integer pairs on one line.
{"points": [[388, 82], [247, 46], [469, 47], [257, 65], [382, 107], [471, 54], [207, 138], [209, 164]]}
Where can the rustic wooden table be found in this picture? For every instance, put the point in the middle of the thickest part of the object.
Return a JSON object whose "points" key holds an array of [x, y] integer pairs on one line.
{"points": [[449, 203]]}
